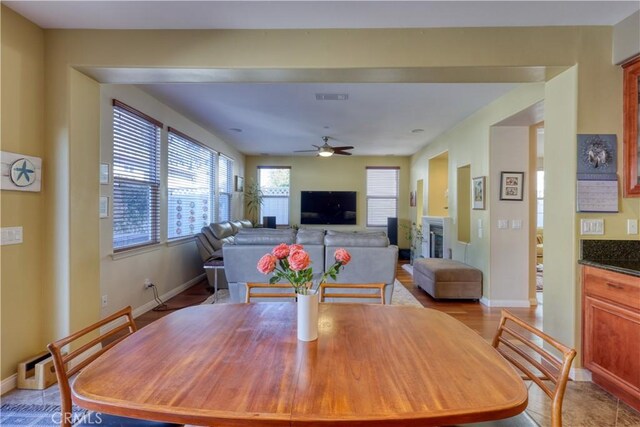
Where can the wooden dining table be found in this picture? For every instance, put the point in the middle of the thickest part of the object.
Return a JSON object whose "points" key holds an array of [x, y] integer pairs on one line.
{"points": [[241, 365]]}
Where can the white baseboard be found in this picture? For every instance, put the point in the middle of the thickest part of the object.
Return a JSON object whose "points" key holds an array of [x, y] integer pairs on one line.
{"points": [[9, 384], [505, 302], [172, 293], [580, 374], [408, 268]]}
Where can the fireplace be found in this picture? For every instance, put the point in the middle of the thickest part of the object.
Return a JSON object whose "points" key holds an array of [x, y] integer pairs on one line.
{"points": [[436, 233]]}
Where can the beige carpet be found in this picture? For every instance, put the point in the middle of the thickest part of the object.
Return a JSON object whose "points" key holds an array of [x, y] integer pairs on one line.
{"points": [[401, 296]]}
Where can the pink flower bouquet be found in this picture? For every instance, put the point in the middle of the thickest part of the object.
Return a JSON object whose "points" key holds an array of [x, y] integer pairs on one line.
{"points": [[292, 262]]}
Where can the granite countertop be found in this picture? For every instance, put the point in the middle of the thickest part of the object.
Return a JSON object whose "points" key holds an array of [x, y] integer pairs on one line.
{"points": [[621, 256], [631, 268]]}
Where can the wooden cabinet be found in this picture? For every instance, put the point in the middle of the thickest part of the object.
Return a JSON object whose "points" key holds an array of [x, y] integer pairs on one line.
{"points": [[611, 331]]}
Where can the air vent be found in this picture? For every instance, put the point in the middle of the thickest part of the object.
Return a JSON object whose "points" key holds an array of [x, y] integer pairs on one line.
{"points": [[332, 96]]}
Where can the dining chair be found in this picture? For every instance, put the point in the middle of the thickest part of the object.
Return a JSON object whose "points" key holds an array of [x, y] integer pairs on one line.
{"points": [[529, 356], [251, 287], [346, 287], [66, 367]]}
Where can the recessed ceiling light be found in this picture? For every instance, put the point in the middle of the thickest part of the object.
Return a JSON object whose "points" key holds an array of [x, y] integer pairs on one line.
{"points": [[326, 127], [235, 129], [417, 130]]}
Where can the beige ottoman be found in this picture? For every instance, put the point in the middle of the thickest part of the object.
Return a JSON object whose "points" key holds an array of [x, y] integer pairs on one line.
{"points": [[447, 279]]}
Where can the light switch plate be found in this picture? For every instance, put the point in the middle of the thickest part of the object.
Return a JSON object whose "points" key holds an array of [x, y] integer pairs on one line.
{"points": [[11, 235], [516, 224], [632, 226], [591, 226], [503, 224]]}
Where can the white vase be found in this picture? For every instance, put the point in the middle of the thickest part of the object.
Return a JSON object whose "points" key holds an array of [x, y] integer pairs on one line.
{"points": [[308, 316]]}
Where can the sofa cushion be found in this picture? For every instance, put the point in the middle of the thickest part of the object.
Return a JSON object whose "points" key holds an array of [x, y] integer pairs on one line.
{"points": [[374, 239], [236, 225], [265, 237], [246, 223], [213, 241], [310, 236], [222, 229]]}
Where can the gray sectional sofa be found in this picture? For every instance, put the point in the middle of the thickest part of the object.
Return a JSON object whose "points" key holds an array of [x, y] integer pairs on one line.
{"points": [[373, 259]]}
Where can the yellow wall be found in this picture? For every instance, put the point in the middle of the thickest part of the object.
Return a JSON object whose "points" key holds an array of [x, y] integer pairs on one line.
{"points": [[22, 132], [463, 195], [312, 55], [337, 173], [438, 199]]}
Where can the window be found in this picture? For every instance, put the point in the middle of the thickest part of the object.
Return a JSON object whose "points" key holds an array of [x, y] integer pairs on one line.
{"points": [[382, 195], [274, 183], [136, 178], [225, 187], [190, 185]]}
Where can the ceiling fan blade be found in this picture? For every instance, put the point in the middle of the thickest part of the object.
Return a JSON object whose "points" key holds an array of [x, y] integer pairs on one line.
{"points": [[305, 151], [342, 153], [348, 147]]}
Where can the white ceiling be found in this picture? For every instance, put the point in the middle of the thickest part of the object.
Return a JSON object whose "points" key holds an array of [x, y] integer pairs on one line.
{"points": [[377, 118], [319, 14], [279, 118]]}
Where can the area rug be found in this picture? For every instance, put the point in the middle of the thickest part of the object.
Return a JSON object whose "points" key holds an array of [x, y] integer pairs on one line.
{"points": [[34, 415], [401, 296]]}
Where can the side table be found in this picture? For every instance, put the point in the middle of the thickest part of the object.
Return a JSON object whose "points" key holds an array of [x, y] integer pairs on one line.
{"points": [[215, 264]]}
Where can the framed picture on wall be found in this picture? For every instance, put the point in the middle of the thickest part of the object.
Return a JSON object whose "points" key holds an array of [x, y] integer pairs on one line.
{"points": [[412, 199], [104, 207], [239, 184], [478, 192], [511, 185]]}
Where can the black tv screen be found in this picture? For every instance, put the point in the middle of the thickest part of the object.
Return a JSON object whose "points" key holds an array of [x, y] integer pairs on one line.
{"points": [[328, 207]]}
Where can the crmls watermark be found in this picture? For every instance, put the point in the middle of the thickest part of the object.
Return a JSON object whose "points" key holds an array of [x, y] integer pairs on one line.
{"points": [[90, 418]]}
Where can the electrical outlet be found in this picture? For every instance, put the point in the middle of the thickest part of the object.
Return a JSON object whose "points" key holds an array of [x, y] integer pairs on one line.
{"points": [[632, 226], [104, 301], [147, 283]]}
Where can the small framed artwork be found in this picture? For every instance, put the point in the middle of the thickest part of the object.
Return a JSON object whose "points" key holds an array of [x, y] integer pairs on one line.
{"points": [[412, 199], [239, 184], [511, 185], [478, 188], [104, 173], [104, 207]]}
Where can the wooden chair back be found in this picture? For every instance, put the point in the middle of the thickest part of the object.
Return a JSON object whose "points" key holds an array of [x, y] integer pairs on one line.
{"points": [[346, 287], [536, 358], [62, 362], [251, 287]]}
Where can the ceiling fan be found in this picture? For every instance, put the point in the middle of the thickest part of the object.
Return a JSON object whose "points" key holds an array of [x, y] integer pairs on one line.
{"points": [[327, 150]]}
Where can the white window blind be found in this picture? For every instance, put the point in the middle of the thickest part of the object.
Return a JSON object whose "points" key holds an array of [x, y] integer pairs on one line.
{"points": [[225, 187], [136, 178], [275, 183], [382, 195], [190, 185]]}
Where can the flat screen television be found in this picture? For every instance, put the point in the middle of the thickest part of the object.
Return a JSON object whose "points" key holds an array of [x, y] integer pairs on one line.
{"points": [[328, 207]]}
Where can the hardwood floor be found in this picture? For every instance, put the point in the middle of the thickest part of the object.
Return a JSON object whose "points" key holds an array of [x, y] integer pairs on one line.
{"points": [[478, 317]]}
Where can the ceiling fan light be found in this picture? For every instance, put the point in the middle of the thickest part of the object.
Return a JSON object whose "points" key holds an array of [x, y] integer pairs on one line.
{"points": [[325, 153]]}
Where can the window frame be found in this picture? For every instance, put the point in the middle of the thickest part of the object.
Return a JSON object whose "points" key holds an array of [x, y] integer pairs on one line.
{"points": [[154, 187], [212, 184], [260, 211], [219, 192], [369, 197]]}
